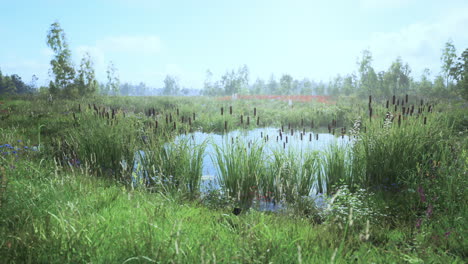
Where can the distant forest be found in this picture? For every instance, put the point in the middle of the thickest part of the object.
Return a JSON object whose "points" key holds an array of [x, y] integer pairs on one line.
{"points": [[72, 82]]}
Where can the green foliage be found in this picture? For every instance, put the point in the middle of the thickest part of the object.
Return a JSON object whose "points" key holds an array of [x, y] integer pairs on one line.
{"points": [[171, 87], [113, 82], [240, 167], [62, 67]]}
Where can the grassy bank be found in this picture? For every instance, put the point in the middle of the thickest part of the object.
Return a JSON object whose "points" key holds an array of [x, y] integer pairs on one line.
{"points": [[396, 194]]}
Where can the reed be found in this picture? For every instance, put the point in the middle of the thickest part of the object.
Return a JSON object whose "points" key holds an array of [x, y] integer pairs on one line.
{"points": [[240, 169]]}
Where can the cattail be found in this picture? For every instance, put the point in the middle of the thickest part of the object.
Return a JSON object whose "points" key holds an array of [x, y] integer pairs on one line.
{"points": [[230, 110], [310, 137], [387, 105], [292, 132], [74, 117], [407, 111], [182, 119], [225, 125], [399, 120], [282, 128], [190, 121], [316, 136], [193, 116], [242, 119], [329, 128], [312, 124], [280, 133], [267, 138], [425, 119], [79, 107], [222, 111], [406, 98], [167, 119], [393, 100], [175, 127], [261, 134], [398, 102], [113, 113], [255, 111], [429, 109], [258, 120], [301, 136], [156, 124], [403, 109], [303, 131], [370, 113], [284, 145], [248, 120], [177, 111], [277, 138], [370, 99], [89, 106], [286, 139], [302, 122], [154, 112], [170, 118], [396, 108]]}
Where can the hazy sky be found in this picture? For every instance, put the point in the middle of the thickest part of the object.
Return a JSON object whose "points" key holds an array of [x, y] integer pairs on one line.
{"points": [[147, 40]]}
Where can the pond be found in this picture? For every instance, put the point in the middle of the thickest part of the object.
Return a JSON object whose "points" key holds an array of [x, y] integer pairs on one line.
{"points": [[273, 139]]}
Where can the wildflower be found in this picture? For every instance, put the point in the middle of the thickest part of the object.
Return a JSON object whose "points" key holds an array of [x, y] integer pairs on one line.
{"points": [[422, 196], [447, 234], [19, 140], [418, 223]]}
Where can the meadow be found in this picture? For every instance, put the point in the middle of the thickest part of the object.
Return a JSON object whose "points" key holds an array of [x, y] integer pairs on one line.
{"points": [[119, 179]]}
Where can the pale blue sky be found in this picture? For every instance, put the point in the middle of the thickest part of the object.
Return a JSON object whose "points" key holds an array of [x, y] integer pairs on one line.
{"points": [[148, 39]]}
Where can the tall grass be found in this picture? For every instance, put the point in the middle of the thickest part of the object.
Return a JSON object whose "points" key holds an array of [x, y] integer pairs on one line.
{"points": [[240, 167], [174, 166]]}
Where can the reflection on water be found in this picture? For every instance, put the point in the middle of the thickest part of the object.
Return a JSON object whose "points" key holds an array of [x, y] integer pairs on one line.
{"points": [[273, 138]]}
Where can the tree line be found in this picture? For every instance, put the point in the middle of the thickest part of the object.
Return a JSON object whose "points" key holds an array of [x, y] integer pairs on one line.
{"points": [[72, 82], [452, 81]]}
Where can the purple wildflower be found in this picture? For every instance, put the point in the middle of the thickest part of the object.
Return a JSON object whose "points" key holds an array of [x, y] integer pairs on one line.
{"points": [[422, 196]]}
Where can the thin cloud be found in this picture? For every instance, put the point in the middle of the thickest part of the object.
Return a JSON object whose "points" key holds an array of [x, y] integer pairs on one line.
{"points": [[143, 44], [419, 44], [376, 4]]}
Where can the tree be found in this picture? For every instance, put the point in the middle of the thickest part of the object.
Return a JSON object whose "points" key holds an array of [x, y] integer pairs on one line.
{"points": [[448, 58], [397, 78], [86, 79], [113, 81], [171, 87], [335, 85], [258, 87], [459, 72], [235, 82], [307, 87], [273, 86], [286, 82], [367, 76], [425, 85], [62, 67], [348, 85]]}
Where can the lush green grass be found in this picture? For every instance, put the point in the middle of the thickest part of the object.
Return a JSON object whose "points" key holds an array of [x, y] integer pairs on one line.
{"points": [[73, 198], [55, 216]]}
